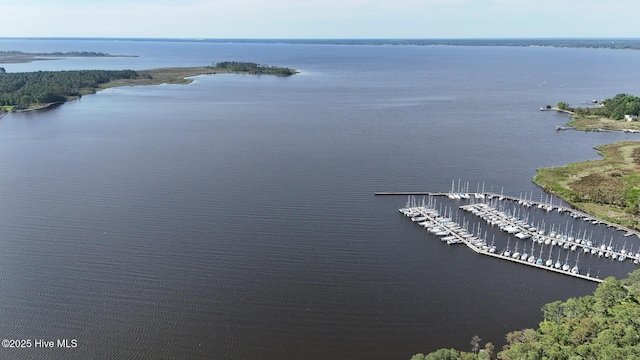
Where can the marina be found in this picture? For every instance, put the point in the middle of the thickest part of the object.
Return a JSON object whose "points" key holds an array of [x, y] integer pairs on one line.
{"points": [[548, 206], [507, 215]]}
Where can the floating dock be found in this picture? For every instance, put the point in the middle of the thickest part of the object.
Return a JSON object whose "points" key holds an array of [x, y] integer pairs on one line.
{"points": [[488, 195], [527, 231], [455, 234]]}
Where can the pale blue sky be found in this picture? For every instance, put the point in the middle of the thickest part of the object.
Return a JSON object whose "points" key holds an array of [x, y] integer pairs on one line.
{"points": [[320, 18]]}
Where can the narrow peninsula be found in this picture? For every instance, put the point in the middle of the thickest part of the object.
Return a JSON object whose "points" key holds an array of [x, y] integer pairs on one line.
{"points": [[608, 188], [619, 113], [41, 89], [14, 57]]}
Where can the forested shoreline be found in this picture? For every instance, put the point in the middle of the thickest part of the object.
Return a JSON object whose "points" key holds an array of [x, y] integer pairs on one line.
{"points": [[615, 108], [19, 91], [33, 90], [605, 325], [253, 68]]}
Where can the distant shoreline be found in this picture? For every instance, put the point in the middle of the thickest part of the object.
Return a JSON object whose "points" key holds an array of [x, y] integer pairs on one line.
{"points": [[174, 75], [600, 43], [19, 57]]}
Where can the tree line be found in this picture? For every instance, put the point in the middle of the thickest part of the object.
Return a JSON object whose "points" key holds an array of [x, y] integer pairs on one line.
{"points": [[605, 325], [253, 68], [615, 108], [29, 89]]}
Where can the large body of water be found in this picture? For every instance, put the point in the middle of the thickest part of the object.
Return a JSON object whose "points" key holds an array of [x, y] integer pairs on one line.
{"points": [[234, 218]]}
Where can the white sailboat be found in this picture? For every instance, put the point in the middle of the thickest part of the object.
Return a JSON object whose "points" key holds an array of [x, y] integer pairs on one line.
{"points": [[452, 195], [558, 265], [566, 265], [575, 269], [516, 254], [524, 254], [507, 252], [492, 248], [531, 259], [549, 262]]}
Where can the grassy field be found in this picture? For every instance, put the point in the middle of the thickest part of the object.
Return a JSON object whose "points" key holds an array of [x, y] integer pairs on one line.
{"points": [[607, 188], [596, 123], [175, 75]]}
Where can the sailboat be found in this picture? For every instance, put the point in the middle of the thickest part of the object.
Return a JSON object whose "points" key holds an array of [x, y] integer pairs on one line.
{"points": [[549, 262], [524, 255], [575, 269], [531, 259], [539, 261], [478, 194], [558, 265], [516, 254], [622, 257], [609, 248], [452, 195], [492, 248], [566, 265], [506, 252]]}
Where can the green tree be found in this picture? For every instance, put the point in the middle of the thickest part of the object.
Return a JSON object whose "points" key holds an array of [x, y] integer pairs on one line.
{"points": [[608, 294], [489, 349], [620, 105], [443, 354], [603, 326]]}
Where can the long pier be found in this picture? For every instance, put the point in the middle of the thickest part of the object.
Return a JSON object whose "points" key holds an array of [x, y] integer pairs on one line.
{"points": [[548, 206], [548, 268], [395, 193], [493, 216], [471, 242]]}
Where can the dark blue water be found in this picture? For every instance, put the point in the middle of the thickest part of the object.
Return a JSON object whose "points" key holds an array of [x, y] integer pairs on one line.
{"points": [[234, 217]]}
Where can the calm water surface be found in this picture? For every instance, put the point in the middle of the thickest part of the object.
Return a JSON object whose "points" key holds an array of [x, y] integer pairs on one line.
{"points": [[234, 218]]}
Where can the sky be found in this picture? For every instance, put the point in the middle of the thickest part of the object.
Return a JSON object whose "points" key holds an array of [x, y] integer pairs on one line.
{"points": [[321, 19]]}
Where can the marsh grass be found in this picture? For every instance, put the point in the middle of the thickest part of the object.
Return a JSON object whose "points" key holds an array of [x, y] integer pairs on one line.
{"points": [[608, 188]]}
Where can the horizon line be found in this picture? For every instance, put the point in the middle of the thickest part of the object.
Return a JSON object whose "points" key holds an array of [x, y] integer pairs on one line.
{"points": [[312, 38]]}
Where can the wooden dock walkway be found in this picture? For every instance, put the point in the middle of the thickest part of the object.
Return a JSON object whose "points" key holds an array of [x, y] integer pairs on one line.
{"points": [[490, 196], [396, 193], [422, 211], [503, 218]]}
